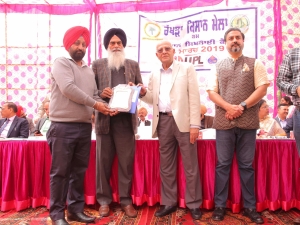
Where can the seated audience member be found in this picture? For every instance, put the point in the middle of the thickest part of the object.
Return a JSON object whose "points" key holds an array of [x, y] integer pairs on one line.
{"points": [[268, 125], [206, 121], [41, 112], [285, 123], [44, 123], [142, 113], [21, 113], [12, 126], [287, 100]]}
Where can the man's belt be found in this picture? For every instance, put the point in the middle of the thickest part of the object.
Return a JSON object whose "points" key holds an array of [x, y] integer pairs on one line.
{"points": [[166, 113]]}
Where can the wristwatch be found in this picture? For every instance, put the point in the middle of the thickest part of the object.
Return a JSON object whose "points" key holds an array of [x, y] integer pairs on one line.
{"points": [[244, 104]]}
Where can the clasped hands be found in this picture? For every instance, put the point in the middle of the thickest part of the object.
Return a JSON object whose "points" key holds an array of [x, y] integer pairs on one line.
{"points": [[234, 111]]}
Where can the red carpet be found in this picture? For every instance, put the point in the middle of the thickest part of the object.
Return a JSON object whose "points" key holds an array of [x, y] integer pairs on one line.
{"points": [[40, 216]]}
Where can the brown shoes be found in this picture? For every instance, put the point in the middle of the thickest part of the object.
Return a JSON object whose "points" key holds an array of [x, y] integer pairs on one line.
{"points": [[129, 211], [104, 210]]}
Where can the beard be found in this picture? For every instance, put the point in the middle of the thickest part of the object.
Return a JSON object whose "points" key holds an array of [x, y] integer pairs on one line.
{"points": [[116, 59], [236, 48], [77, 55]]}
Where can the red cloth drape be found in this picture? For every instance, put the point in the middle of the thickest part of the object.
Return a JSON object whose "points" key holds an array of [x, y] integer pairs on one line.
{"points": [[25, 166]]}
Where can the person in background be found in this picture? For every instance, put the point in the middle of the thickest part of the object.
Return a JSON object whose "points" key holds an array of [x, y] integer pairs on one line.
{"points": [[142, 113], [43, 123], [287, 100], [206, 121], [12, 126], [267, 125], [115, 134], [41, 113], [288, 81], [74, 94], [236, 86], [285, 123], [21, 113], [174, 93]]}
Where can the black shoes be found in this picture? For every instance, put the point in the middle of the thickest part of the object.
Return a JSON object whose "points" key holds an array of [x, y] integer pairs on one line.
{"points": [[196, 213], [165, 210], [219, 214], [80, 217], [253, 215], [60, 222]]}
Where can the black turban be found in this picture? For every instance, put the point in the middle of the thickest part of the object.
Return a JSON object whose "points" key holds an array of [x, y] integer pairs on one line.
{"points": [[114, 31]]}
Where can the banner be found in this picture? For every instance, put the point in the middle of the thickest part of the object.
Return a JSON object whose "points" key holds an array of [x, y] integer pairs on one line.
{"points": [[197, 38]]}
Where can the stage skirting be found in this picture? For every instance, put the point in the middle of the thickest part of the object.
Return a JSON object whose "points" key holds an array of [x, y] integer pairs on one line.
{"points": [[25, 166]]}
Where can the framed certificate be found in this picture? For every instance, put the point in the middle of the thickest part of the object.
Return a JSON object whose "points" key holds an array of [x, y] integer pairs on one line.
{"points": [[122, 98]]}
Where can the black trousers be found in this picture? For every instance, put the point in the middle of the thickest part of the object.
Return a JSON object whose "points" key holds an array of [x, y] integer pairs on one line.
{"points": [[70, 149]]}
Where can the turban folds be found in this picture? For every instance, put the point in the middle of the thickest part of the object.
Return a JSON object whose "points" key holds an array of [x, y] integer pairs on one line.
{"points": [[20, 111], [73, 34], [114, 31]]}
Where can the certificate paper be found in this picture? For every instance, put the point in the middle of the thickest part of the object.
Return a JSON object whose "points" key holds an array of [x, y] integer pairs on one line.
{"points": [[122, 98]]}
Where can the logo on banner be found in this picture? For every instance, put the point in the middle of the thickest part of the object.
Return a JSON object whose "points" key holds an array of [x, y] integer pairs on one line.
{"points": [[241, 22], [152, 31]]}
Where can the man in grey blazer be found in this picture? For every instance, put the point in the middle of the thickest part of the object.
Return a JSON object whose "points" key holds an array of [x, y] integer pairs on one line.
{"points": [[115, 134], [174, 93], [12, 126], [43, 123]]}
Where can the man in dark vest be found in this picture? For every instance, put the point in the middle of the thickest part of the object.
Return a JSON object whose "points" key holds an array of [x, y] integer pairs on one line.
{"points": [[237, 85]]}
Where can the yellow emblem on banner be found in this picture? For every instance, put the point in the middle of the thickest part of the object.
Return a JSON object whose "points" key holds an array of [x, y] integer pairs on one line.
{"points": [[152, 31], [241, 22]]}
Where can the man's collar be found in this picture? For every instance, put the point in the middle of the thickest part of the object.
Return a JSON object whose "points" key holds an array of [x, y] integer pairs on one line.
{"points": [[234, 59], [82, 62], [281, 119], [171, 67], [11, 118]]}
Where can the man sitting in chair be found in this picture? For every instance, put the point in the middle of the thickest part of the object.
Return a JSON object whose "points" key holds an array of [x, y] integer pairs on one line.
{"points": [[44, 123], [12, 126]]}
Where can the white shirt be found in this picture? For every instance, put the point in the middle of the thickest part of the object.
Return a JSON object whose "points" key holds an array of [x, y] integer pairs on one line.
{"points": [[164, 104], [142, 123], [282, 122]]}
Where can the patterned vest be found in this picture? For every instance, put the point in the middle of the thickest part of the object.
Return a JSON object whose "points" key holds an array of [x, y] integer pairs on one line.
{"points": [[235, 86]]}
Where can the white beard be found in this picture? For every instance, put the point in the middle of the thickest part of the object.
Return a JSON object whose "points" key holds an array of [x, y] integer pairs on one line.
{"points": [[115, 59]]}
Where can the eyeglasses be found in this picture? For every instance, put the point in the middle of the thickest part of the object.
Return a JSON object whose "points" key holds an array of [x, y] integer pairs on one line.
{"points": [[161, 50]]}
